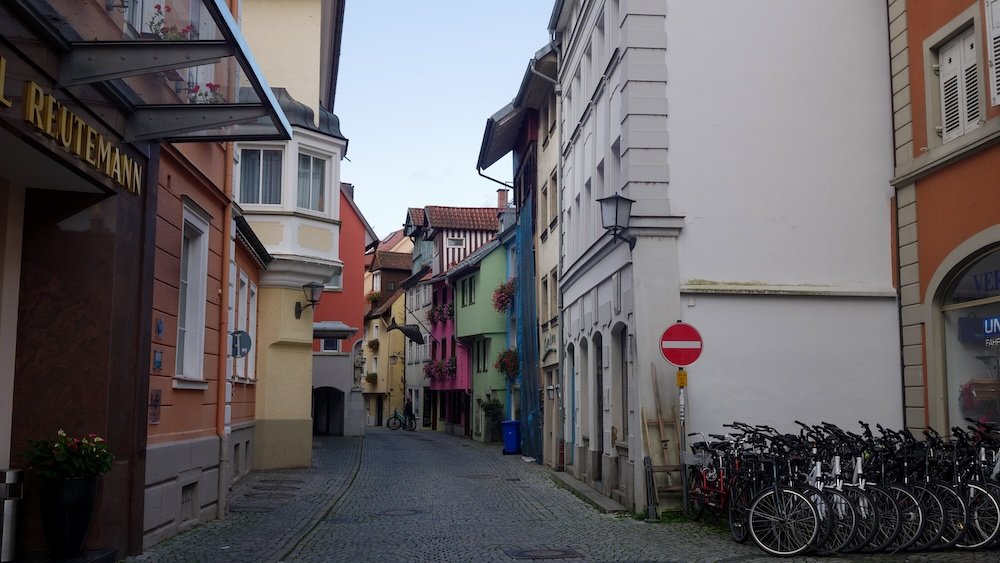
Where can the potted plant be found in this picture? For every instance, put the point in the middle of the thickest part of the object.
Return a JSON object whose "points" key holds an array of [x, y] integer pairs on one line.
{"points": [[450, 367], [503, 296], [373, 296], [506, 364], [68, 468], [371, 377], [373, 345], [493, 412], [429, 369]]}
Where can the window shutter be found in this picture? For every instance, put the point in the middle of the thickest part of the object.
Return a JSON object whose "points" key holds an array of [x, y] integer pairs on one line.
{"points": [[970, 82], [993, 36], [951, 108]]}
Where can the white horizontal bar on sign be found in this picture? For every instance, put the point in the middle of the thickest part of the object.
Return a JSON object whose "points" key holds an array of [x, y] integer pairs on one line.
{"points": [[681, 344]]}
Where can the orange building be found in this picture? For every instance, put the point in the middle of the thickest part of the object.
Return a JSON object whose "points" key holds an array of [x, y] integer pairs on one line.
{"points": [[946, 105]]}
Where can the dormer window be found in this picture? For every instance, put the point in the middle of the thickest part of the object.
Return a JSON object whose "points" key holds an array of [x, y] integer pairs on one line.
{"points": [[312, 175]]}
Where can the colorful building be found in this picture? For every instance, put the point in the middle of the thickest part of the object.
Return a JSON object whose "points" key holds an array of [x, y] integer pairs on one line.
{"points": [[946, 117], [339, 321], [385, 349]]}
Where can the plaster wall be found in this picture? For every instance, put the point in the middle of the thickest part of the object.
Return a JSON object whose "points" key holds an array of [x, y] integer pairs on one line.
{"points": [[283, 435], [790, 187], [293, 65]]}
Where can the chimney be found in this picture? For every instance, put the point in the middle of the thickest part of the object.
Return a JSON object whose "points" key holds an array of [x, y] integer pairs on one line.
{"points": [[501, 198]]}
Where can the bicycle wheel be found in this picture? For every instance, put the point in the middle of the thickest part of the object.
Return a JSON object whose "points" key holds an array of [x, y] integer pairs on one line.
{"points": [[739, 505], [393, 423], [889, 519], [868, 517], [911, 518], [842, 520], [412, 425], [782, 521], [984, 517], [934, 516], [695, 496], [956, 516]]}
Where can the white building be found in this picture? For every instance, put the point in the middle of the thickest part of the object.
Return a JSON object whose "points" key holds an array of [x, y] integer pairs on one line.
{"points": [[758, 156]]}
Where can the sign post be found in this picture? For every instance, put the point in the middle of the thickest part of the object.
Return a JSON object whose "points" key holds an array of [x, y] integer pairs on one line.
{"points": [[681, 345]]}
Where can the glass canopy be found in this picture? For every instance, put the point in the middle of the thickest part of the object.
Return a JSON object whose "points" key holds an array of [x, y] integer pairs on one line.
{"points": [[180, 69]]}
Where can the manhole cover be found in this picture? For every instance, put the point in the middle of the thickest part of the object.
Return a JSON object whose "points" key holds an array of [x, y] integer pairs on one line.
{"points": [[249, 509], [543, 553], [282, 481], [401, 512], [275, 488], [271, 496]]}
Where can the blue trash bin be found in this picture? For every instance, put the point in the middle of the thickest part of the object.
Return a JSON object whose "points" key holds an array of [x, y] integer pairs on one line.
{"points": [[511, 436]]}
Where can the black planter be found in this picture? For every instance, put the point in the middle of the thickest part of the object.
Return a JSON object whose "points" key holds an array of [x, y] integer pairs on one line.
{"points": [[67, 506]]}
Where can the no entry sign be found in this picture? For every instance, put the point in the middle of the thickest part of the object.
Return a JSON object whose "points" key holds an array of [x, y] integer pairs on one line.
{"points": [[681, 344]]}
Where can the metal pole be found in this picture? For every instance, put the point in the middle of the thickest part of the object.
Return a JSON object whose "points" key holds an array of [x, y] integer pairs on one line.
{"points": [[683, 439]]}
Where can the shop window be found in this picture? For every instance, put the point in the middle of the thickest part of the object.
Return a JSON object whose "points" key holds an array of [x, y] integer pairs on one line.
{"points": [[260, 176], [971, 316], [192, 290], [312, 174]]}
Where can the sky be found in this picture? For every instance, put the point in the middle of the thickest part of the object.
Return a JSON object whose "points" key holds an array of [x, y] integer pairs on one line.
{"points": [[418, 80]]}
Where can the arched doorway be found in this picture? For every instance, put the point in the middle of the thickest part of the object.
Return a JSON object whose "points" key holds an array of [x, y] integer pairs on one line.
{"points": [[328, 411]]}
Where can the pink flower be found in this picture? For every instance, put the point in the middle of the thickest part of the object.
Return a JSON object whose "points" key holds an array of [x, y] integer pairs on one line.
{"points": [[187, 29], [167, 9], [159, 8], [195, 89], [213, 86]]}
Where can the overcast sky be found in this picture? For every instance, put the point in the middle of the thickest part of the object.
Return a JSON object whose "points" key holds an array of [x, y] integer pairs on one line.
{"points": [[418, 79]]}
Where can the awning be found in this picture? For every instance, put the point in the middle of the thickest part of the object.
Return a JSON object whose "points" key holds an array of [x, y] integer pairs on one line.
{"points": [[180, 71], [332, 329]]}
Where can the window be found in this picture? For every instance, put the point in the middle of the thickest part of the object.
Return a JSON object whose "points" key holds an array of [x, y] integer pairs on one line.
{"points": [[455, 242], [390, 286], [192, 288], [553, 207], [312, 171], [482, 352], [331, 345], [336, 281], [375, 331], [472, 289], [241, 317], [960, 111], [260, 176], [377, 281], [553, 296]]}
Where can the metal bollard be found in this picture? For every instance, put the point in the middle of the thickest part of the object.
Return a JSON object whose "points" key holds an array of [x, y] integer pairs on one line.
{"points": [[10, 495]]}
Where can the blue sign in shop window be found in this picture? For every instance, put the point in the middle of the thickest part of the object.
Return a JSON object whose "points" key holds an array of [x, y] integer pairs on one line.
{"points": [[983, 331]]}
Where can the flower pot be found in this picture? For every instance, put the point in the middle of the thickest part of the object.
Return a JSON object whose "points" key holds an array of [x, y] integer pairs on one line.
{"points": [[67, 506]]}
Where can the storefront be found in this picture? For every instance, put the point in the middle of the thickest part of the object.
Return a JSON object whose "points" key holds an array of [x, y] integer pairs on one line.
{"points": [[86, 98]]}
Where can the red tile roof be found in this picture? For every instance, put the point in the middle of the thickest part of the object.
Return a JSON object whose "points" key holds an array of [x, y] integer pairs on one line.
{"points": [[470, 218], [392, 239], [417, 216]]}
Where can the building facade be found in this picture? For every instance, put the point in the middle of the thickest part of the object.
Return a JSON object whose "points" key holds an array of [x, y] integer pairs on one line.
{"points": [[744, 239], [384, 348], [946, 109]]}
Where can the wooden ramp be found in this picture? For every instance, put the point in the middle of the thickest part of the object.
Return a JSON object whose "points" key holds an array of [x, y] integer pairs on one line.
{"points": [[660, 438]]}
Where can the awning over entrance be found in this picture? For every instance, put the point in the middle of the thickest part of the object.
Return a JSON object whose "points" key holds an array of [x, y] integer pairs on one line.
{"points": [[332, 329], [180, 70]]}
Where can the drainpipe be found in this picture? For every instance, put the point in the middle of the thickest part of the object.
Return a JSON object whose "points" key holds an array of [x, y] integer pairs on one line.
{"points": [[220, 415]]}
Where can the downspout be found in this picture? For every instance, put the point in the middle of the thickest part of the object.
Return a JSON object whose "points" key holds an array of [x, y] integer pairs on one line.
{"points": [[504, 184], [225, 461]]}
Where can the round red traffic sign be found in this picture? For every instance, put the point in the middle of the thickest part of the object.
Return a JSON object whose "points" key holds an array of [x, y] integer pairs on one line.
{"points": [[681, 344]]}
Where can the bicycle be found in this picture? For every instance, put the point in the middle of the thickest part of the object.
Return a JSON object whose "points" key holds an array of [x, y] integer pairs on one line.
{"points": [[397, 421]]}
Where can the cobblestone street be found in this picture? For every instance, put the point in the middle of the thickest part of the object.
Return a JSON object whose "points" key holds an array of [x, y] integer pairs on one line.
{"points": [[424, 496]]}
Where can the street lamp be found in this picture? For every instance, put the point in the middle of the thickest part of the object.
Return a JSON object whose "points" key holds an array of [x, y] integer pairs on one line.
{"points": [[616, 210], [550, 391], [312, 291]]}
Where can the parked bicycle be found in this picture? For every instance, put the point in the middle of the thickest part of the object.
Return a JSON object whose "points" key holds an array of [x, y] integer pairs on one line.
{"points": [[397, 421]]}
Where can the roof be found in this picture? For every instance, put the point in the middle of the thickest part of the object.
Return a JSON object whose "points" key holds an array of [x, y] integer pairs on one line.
{"points": [[332, 329], [392, 261], [392, 239], [472, 261], [246, 235], [416, 278], [386, 306], [504, 127], [469, 218]]}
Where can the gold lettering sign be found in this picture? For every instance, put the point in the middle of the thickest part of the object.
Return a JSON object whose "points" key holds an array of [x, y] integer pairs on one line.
{"points": [[77, 136]]}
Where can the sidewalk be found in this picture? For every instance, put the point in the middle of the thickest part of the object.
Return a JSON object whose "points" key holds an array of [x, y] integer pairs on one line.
{"points": [[269, 511]]}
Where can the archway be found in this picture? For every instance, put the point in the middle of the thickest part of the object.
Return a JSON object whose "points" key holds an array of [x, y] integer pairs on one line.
{"points": [[328, 411]]}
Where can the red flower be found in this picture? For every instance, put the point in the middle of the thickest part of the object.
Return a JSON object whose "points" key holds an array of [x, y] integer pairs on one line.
{"points": [[213, 86], [195, 89], [167, 8]]}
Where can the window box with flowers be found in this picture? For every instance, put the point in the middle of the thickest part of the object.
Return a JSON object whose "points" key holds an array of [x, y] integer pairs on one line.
{"points": [[371, 378], [507, 365], [503, 296], [211, 94], [69, 468], [450, 367], [429, 369], [373, 296], [158, 28], [373, 345]]}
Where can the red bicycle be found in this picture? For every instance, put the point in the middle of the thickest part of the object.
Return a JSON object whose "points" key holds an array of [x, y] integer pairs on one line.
{"points": [[709, 476]]}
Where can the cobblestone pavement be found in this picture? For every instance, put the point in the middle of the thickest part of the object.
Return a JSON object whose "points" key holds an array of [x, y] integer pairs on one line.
{"points": [[424, 496]]}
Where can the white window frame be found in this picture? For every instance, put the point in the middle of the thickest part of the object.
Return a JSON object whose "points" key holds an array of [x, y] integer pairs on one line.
{"points": [[239, 176], [336, 281], [958, 64], [324, 206], [242, 303], [450, 242], [251, 359], [334, 349], [192, 293], [377, 281]]}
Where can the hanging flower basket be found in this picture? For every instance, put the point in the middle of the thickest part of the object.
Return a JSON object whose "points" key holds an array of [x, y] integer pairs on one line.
{"points": [[371, 378], [373, 345], [503, 296], [506, 364], [450, 367], [373, 296]]}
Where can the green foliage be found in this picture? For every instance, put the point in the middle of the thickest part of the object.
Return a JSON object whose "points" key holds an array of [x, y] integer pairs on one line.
{"points": [[70, 457], [493, 410]]}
